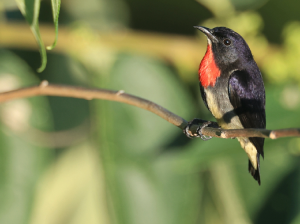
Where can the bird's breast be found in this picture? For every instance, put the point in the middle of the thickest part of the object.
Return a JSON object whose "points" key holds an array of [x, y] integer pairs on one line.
{"points": [[208, 69]]}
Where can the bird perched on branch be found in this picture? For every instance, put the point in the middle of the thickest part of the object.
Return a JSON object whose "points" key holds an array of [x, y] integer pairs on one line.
{"points": [[232, 89]]}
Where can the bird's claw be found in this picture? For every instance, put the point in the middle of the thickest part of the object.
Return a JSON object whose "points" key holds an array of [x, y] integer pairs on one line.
{"points": [[198, 133], [186, 130]]}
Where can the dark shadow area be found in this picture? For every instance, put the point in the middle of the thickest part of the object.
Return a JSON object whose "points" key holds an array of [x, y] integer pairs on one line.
{"points": [[169, 16], [282, 204]]}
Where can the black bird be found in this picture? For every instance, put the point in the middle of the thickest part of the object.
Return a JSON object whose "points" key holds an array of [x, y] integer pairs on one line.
{"points": [[232, 89]]}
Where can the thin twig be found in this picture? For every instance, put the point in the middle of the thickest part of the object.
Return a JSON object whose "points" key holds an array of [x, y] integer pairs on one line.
{"points": [[45, 89]]}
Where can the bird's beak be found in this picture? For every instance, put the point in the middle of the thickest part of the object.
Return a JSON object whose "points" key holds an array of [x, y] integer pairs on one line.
{"points": [[207, 32]]}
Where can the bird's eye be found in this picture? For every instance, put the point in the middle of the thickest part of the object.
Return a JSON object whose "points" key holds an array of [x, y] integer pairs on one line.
{"points": [[227, 42]]}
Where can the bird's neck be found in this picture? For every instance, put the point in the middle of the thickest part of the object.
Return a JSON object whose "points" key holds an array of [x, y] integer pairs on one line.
{"points": [[208, 70]]}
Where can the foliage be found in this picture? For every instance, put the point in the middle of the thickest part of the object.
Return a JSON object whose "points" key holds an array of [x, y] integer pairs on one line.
{"points": [[77, 161], [30, 10]]}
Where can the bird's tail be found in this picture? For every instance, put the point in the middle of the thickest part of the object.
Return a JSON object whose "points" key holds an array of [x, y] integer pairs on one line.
{"points": [[255, 172]]}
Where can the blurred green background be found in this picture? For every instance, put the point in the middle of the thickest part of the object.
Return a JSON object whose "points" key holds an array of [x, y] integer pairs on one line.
{"points": [[73, 161]]}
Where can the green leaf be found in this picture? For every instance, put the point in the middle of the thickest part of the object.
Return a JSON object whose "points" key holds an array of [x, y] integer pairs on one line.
{"points": [[248, 4], [30, 10], [152, 80], [55, 13], [131, 139], [22, 159]]}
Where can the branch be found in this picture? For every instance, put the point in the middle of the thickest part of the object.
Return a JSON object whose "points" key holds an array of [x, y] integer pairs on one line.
{"points": [[45, 89]]}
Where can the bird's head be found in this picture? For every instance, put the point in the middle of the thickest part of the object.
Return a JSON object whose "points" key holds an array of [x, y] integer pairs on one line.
{"points": [[227, 46]]}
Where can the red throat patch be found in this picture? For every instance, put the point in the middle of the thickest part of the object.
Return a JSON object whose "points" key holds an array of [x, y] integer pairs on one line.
{"points": [[208, 70]]}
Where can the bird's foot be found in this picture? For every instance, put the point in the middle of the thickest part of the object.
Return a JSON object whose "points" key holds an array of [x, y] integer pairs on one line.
{"points": [[198, 133]]}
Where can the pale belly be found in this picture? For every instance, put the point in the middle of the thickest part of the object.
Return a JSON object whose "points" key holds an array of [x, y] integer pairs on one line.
{"points": [[221, 108]]}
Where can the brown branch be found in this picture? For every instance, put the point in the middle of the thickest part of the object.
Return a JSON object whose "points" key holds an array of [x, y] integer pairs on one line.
{"points": [[45, 89]]}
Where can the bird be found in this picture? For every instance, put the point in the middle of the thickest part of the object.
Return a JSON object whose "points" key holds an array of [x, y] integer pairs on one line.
{"points": [[232, 89]]}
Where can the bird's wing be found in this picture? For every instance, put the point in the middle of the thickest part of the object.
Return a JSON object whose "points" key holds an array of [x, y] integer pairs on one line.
{"points": [[247, 96], [203, 95]]}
